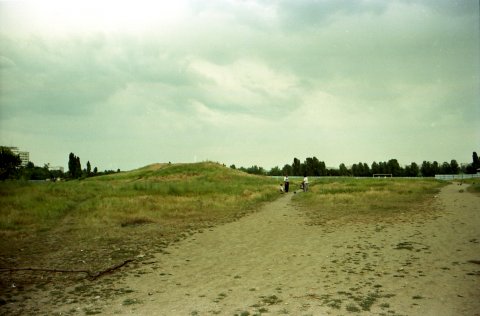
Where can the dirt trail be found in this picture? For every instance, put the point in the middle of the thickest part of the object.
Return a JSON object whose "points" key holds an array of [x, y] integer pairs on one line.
{"points": [[272, 263]]}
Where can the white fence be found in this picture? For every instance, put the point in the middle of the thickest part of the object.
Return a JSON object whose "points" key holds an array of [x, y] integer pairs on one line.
{"points": [[456, 176], [446, 177]]}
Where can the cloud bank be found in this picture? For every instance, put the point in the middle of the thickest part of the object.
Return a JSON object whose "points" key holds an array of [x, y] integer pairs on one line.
{"points": [[240, 82]]}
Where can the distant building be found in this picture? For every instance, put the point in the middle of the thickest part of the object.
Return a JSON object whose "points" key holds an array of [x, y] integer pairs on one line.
{"points": [[24, 155]]}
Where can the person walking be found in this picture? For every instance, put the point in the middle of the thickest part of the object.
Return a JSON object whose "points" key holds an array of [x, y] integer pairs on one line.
{"points": [[305, 183], [286, 182]]}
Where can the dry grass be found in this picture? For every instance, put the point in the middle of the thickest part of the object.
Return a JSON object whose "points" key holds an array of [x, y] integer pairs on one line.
{"points": [[157, 193], [363, 200], [474, 185]]}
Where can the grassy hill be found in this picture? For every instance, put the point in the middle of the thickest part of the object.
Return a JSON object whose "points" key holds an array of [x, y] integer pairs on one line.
{"points": [[92, 223], [153, 193]]}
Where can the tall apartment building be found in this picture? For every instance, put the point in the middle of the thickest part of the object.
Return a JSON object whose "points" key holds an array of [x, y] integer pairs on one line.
{"points": [[24, 155]]}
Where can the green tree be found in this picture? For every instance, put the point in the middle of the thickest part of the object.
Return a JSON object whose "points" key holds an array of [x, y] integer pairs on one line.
{"points": [[412, 170], [476, 160], [41, 173], [446, 168], [287, 170], [473, 167], [314, 167], [74, 166], [89, 169], [361, 170], [454, 167], [296, 167], [9, 163], [275, 171], [435, 168], [256, 170], [394, 168], [343, 171], [355, 170], [426, 169]]}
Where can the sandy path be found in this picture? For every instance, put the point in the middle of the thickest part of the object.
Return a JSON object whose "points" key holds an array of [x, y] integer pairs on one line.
{"points": [[272, 263]]}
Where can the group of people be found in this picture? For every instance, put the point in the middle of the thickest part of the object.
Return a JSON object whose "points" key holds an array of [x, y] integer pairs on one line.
{"points": [[284, 187]]}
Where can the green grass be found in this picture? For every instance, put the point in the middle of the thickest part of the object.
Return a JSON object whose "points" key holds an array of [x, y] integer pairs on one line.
{"points": [[361, 200], [156, 193]]}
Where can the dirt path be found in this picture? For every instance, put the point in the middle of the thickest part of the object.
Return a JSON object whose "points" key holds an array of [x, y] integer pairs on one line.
{"points": [[272, 263]]}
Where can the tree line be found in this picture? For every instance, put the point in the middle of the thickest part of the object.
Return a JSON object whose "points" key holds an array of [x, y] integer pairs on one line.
{"points": [[314, 167], [10, 168], [75, 170]]}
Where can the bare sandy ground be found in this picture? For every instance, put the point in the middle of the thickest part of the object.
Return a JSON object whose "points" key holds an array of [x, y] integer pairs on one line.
{"points": [[273, 263]]}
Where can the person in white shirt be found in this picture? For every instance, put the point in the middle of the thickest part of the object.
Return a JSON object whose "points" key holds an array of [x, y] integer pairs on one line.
{"points": [[286, 182], [305, 183]]}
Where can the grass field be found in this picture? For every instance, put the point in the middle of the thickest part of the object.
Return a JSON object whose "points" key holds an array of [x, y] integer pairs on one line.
{"points": [[350, 199], [167, 194]]}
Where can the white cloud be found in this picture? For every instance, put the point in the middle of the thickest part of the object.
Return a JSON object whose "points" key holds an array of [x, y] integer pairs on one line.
{"points": [[246, 85], [59, 17]]}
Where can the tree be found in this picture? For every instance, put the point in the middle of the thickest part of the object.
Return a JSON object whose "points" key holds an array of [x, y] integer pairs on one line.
{"points": [[314, 167], [394, 168], [355, 170], [275, 171], [445, 168], [343, 171], [256, 170], [287, 169], [473, 167], [435, 168], [9, 163], [89, 169], [454, 167], [412, 170], [476, 160], [361, 170], [71, 165], [296, 167], [426, 169], [74, 166]]}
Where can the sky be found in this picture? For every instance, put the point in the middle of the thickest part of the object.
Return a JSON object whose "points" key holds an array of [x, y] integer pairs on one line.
{"points": [[124, 84]]}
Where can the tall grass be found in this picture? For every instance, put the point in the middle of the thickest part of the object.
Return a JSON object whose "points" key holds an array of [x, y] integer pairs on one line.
{"points": [[350, 199], [157, 193]]}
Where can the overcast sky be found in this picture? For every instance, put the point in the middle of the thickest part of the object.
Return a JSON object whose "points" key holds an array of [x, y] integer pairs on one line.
{"points": [[127, 83]]}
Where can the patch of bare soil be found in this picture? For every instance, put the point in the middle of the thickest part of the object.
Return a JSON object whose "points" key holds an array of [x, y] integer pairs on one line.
{"points": [[273, 262]]}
